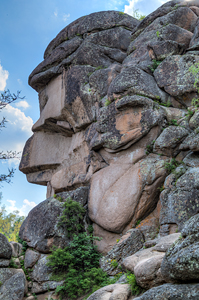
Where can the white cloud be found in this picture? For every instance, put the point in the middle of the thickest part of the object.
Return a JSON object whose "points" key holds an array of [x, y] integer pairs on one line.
{"points": [[23, 210], [17, 131], [19, 81], [3, 77], [17, 119], [66, 17], [23, 104], [56, 13], [130, 9]]}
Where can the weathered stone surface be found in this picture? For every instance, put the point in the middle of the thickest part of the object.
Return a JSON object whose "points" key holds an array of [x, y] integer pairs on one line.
{"points": [[194, 43], [39, 142], [174, 76], [79, 166], [5, 248], [123, 123], [45, 286], [80, 195], [180, 200], [95, 49], [172, 292], [147, 272], [112, 292], [169, 140], [159, 247], [194, 120], [181, 260], [132, 81], [13, 284], [40, 229], [31, 257], [16, 249], [159, 50], [150, 225], [47, 296], [107, 239], [192, 160], [104, 20], [140, 53], [4, 262], [130, 243], [191, 142], [139, 195], [41, 272]]}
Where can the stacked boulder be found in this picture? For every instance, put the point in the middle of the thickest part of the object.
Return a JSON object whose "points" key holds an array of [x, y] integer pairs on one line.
{"points": [[119, 133], [13, 284]]}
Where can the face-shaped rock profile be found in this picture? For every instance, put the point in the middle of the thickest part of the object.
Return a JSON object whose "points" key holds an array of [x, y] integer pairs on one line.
{"points": [[102, 107]]}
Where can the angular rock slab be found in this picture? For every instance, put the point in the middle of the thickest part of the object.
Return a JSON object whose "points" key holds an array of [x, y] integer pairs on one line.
{"points": [[180, 199], [13, 284], [123, 123], [130, 243], [5, 247], [169, 140], [172, 292], [125, 192], [40, 229], [174, 76], [180, 263], [148, 273], [112, 292], [134, 81]]}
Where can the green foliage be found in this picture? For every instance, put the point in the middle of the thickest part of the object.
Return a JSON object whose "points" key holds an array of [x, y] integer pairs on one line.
{"points": [[1, 283], [78, 265], [195, 102], [137, 15], [35, 296], [150, 147], [10, 223], [161, 188], [107, 102], [189, 113], [114, 263], [174, 122], [194, 69], [80, 254], [137, 223], [12, 264], [154, 66], [24, 244], [72, 217], [60, 199], [121, 13], [172, 165], [158, 33], [135, 289]]}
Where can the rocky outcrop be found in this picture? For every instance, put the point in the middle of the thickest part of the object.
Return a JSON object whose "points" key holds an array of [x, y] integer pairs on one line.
{"points": [[118, 133], [181, 260]]}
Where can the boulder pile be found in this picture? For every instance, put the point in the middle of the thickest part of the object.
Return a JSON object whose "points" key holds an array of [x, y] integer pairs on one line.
{"points": [[118, 132]]}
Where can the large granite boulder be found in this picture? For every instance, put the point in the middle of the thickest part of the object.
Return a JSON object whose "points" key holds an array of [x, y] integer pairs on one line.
{"points": [[112, 292], [179, 199], [5, 247], [180, 263], [172, 292], [40, 229], [136, 184], [13, 284]]}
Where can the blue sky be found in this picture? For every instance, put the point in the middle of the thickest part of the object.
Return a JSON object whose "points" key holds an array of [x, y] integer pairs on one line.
{"points": [[26, 29]]}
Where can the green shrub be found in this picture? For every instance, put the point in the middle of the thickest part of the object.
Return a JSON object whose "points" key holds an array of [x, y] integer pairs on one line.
{"points": [[172, 165], [114, 263], [135, 289], [72, 217], [154, 66], [107, 102]]}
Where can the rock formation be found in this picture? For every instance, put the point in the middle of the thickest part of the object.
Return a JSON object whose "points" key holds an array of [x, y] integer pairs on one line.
{"points": [[118, 132]]}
